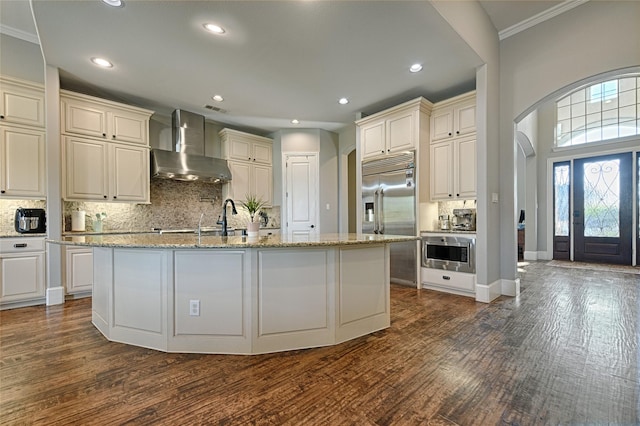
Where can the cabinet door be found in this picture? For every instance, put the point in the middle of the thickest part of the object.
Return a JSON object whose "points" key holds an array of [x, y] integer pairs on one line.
{"points": [[86, 162], [263, 183], [240, 184], [441, 124], [400, 132], [21, 277], [130, 173], [465, 118], [126, 126], [22, 163], [79, 270], [441, 175], [372, 139], [239, 149], [262, 153], [84, 119], [465, 167], [21, 105]]}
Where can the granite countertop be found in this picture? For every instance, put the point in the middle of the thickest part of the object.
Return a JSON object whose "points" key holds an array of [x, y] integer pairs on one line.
{"points": [[13, 234], [151, 240]]}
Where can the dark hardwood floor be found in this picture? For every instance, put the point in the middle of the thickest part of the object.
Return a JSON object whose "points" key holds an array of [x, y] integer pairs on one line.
{"points": [[564, 352]]}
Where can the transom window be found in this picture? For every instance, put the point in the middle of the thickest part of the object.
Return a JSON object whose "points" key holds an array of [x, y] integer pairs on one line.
{"points": [[603, 111]]}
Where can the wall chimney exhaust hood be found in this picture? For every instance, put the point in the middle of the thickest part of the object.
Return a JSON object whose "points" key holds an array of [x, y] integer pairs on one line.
{"points": [[187, 161]]}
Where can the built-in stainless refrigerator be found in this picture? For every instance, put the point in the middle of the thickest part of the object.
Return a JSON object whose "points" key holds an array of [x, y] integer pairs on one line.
{"points": [[389, 207]]}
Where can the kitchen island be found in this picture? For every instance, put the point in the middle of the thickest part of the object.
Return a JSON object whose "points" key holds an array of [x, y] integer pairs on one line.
{"points": [[238, 295]]}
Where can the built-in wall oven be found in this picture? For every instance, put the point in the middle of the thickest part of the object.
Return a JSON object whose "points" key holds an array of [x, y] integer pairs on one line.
{"points": [[451, 253]]}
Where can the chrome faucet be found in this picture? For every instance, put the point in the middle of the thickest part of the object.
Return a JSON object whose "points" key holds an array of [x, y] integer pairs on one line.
{"points": [[223, 222]]}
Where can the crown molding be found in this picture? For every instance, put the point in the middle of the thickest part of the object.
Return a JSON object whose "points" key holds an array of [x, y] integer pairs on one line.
{"points": [[539, 18], [22, 35]]}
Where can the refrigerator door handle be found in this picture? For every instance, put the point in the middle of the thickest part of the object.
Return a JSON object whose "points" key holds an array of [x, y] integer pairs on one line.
{"points": [[381, 212], [375, 212]]}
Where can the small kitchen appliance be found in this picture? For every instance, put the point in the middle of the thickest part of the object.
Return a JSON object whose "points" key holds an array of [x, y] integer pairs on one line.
{"points": [[30, 221], [445, 223], [464, 219]]}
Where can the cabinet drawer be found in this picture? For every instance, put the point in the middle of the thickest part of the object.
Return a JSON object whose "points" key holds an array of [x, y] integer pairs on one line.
{"points": [[449, 279], [19, 245]]}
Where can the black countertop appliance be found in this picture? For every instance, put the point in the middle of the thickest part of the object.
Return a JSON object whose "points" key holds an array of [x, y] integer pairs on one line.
{"points": [[30, 221]]}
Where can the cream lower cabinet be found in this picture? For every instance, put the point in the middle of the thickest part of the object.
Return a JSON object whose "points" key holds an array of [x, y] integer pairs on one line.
{"points": [[105, 171], [453, 169], [22, 270], [22, 162], [78, 273]]}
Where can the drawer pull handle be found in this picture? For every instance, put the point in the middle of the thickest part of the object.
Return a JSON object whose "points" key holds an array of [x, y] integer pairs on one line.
{"points": [[21, 245], [446, 277]]}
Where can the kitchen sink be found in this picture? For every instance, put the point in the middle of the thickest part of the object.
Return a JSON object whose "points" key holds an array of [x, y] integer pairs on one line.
{"points": [[211, 231]]}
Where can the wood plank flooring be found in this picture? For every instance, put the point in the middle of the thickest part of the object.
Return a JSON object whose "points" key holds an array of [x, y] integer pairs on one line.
{"points": [[564, 352]]}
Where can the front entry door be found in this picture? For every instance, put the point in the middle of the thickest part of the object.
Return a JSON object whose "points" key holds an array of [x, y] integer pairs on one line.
{"points": [[602, 213]]}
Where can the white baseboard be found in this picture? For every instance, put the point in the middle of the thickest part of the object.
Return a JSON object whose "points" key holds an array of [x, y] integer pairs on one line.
{"points": [[544, 255], [487, 293], [511, 287], [55, 296], [530, 255]]}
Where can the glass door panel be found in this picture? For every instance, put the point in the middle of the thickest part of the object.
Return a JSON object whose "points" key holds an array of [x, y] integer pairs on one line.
{"points": [[561, 210], [602, 209]]}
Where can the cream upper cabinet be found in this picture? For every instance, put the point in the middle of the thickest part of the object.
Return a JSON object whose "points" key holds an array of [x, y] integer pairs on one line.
{"points": [[106, 150], [393, 130], [246, 147], [453, 169], [22, 102], [22, 162], [454, 117], [85, 115], [250, 160], [97, 170]]}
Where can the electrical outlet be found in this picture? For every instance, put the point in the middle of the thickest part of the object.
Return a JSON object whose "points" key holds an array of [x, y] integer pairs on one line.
{"points": [[194, 308]]}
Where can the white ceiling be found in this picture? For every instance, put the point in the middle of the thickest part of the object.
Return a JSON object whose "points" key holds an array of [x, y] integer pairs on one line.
{"points": [[278, 60]]}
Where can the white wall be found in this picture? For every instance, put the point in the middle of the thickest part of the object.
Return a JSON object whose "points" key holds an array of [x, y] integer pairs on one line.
{"points": [[550, 58], [21, 59]]}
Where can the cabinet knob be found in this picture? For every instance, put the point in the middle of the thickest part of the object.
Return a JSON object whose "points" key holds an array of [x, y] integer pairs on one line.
{"points": [[449, 133], [382, 151], [113, 136], [457, 132], [450, 195], [457, 195], [249, 158], [313, 226], [114, 197], [104, 196], [1, 117], [388, 150], [2, 192]]}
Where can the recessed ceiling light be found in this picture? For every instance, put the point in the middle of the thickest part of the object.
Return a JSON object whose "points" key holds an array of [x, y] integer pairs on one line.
{"points": [[217, 98], [343, 101], [415, 68], [114, 3], [101, 62], [216, 29], [294, 121]]}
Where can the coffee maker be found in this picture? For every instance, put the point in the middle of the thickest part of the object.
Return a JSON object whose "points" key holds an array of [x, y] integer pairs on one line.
{"points": [[464, 219], [30, 221]]}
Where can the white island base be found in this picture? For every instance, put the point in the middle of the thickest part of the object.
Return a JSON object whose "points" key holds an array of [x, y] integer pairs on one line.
{"points": [[240, 301]]}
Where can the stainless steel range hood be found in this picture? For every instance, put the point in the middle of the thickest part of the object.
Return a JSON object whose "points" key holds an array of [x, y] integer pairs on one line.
{"points": [[187, 161]]}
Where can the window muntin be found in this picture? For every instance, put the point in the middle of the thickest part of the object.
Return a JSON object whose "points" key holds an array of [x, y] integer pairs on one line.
{"points": [[603, 111]]}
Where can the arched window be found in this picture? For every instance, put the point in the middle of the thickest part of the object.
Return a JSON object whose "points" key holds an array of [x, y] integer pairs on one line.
{"points": [[603, 111]]}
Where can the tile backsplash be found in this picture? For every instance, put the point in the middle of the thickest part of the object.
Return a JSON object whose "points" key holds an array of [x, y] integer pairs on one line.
{"points": [[445, 208], [174, 205]]}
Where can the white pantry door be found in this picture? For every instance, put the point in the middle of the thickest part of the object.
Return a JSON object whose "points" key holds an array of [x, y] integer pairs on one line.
{"points": [[301, 193]]}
